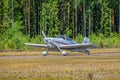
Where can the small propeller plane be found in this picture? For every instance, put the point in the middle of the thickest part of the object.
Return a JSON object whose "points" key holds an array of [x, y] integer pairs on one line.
{"points": [[63, 43]]}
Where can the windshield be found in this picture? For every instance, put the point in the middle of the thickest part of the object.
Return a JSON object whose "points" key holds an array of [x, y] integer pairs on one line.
{"points": [[63, 37], [68, 39]]}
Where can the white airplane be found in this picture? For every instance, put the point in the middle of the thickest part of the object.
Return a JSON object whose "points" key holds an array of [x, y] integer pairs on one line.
{"points": [[62, 42]]}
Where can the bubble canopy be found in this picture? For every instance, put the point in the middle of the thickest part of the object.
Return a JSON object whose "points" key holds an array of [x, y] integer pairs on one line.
{"points": [[67, 39]]}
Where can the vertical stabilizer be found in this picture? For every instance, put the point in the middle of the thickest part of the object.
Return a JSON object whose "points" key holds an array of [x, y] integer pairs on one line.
{"points": [[86, 40]]}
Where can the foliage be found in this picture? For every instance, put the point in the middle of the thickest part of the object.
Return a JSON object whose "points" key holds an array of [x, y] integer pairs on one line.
{"points": [[58, 17], [79, 38], [14, 38], [105, 18], [38, 39], [103, 41], [49, 18]]}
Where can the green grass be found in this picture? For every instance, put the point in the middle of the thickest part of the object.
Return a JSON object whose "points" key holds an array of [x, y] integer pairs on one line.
{"points": [[65, 68]]}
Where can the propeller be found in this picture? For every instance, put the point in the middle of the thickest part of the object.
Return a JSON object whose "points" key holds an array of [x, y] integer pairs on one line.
{"points": [[43, 34], [45, 53]]}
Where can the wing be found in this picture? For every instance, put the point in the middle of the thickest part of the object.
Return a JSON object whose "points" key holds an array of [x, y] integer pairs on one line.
{"points": [[78, 46], [36, 45]]}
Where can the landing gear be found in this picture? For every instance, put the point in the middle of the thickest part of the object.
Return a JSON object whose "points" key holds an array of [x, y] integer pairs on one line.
{"points": [[44, 53], [64, 54], [87, 51]]}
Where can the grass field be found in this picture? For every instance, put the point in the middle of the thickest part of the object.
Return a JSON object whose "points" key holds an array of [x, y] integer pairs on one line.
{"points": [[63, 68]]}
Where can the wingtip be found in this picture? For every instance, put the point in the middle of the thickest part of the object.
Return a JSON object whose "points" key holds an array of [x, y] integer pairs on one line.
{"points": [[26, 43]]}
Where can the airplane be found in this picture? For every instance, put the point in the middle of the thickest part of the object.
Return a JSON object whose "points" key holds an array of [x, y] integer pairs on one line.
{"points": [[61, 43]]}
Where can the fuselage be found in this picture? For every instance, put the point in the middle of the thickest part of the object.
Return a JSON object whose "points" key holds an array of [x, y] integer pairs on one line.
{"points": [[60, 40]]}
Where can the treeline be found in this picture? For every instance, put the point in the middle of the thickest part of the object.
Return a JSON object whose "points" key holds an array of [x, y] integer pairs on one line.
{"points": [[23, 20]]}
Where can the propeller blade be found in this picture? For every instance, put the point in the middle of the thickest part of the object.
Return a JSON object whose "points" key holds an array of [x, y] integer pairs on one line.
{"points": [[43, 34]]}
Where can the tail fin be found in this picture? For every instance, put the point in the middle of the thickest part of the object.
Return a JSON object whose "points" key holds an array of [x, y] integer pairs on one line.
{"points": [[86, 40], [43, 34]]}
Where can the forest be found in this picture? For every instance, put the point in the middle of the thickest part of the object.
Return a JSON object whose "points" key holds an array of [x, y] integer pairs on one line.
{"points": [[23, 20]]}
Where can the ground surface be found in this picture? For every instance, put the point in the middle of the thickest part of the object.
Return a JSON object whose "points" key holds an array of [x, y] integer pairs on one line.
{"points": [[102, 64], [73, 55]]}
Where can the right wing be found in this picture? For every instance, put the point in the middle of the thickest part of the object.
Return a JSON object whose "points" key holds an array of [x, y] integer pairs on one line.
{"points": [[78, 46], [37, 45]]}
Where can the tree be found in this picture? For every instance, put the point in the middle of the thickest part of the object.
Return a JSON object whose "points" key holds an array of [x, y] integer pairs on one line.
{"points": [[49, 18], [105, 17], [5, 21], [119, 16], [27, 16]]}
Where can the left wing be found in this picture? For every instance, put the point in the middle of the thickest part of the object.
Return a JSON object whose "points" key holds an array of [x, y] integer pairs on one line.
{"points": [[37, 45], [78, 46]]}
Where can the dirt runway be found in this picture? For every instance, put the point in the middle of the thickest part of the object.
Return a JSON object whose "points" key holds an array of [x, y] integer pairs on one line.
{"points": [[60, 56]]}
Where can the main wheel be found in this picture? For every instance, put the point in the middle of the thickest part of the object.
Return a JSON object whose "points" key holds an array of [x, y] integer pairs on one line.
{"points": [[88, 53], [44, 53], [64, 54]]}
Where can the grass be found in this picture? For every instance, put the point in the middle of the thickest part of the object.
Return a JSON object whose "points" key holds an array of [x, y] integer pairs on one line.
{"points": [[65, 68], [106, 50], [19, 53]]}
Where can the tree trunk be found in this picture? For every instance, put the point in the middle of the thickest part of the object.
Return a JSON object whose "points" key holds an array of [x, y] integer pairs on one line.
{"points": [[119, 16], [113, 28], [27, 17], [68, 13], [73, 23], [12, 13], [84, 19], [89, 22], [110, 22], [34, 24], [75, 18]]}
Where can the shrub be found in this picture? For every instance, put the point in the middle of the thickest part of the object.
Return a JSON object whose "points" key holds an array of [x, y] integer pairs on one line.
{"points": [[14, 38], [101, 40], [79, 38], [38, 39]]}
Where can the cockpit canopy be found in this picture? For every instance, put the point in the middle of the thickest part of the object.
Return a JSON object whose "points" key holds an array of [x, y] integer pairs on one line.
{"points": [[64, 37], [69, 40]]}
